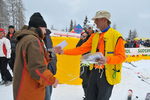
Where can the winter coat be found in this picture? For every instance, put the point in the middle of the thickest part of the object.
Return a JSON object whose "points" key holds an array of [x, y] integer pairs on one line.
{"points": [[31, 75], [12, 41], [5, 48], [81, 41], [49, 45]]}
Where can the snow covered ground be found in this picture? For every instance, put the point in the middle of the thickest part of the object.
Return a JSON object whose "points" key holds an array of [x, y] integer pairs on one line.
{"points": [[130, 80]]}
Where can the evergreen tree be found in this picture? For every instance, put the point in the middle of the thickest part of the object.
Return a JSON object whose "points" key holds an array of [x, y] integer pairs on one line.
{"points": [[71, 26], [4, 18], [135, 34], [85, 22], [132, 34], [20, 14], [16, 13]]}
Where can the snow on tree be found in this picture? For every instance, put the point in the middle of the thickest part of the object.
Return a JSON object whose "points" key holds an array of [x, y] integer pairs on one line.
{"points": [[4, 18], [11, 13], [16, 13]]}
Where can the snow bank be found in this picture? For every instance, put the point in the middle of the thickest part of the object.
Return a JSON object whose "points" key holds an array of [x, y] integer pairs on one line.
{"points": [[130, 80]]}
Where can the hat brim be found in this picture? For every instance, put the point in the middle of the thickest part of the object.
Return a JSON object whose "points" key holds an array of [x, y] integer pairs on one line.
{"points": [[97, 17], [100, 17], [93, 18]]}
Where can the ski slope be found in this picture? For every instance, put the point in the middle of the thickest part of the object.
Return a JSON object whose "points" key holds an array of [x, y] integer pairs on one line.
{"points": [[130, 80]]}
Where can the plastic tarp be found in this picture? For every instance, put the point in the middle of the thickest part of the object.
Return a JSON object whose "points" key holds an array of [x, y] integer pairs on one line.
{"points": [[68, 67]]}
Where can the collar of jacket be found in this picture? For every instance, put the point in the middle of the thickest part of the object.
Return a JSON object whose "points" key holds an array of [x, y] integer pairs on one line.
{"points": [[25, 31], [106, 29]]}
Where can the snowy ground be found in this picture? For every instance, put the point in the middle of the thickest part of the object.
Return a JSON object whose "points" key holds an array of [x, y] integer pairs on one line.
{"points": [[130, 80]]}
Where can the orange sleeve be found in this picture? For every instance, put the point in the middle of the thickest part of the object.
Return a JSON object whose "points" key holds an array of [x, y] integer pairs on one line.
{"points": [[85, 47], [119, 54], [46, 78]]}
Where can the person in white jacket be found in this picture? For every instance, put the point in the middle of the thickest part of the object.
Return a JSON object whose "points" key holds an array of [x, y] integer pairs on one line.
{"points": [[5, 51]]}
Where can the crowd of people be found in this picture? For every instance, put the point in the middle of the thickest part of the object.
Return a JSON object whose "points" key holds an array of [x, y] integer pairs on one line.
{"points": [[7, 54], [32, 60], [36, 38], [137, 43]]}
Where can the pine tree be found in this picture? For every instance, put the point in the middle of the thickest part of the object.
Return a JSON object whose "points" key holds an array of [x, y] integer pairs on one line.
{"points": [[11, 13], [71, 26], [85, 22], [4, 18], [16, 13], [20, 14], [135, 34], [132, 34]]}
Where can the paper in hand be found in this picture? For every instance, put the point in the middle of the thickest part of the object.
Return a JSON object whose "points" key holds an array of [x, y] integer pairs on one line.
{"points": [[62, 44], [91, 58]]}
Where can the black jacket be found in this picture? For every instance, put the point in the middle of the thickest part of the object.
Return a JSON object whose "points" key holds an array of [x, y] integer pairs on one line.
{"points": [[49, 44], [82, 41], [12, 42]]}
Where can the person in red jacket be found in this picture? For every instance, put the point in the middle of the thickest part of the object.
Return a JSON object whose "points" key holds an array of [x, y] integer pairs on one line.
{"points": [[5, 51]]}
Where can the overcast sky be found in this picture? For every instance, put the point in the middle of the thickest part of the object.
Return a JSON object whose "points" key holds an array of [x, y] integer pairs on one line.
{"points": [[126, 14]]}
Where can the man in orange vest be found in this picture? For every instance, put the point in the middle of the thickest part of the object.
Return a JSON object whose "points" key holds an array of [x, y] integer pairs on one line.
{"points": [[107, 72]]}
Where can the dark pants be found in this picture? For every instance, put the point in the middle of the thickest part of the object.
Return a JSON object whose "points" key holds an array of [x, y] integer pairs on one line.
{"points": [[84, 75], [12, 61], [6, 76], [48, 93], [98, 87]]}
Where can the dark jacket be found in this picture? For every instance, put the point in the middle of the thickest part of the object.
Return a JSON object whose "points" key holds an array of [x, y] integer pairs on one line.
{"points": [[81, 41], [49, 45], [12, 41]]}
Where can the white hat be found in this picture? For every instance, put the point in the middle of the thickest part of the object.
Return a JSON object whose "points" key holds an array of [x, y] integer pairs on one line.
{"points": [[102, 14]]}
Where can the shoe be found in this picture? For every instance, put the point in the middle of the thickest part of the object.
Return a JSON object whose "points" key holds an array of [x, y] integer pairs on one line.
{"points": [[8, 83], [2, 82]]}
